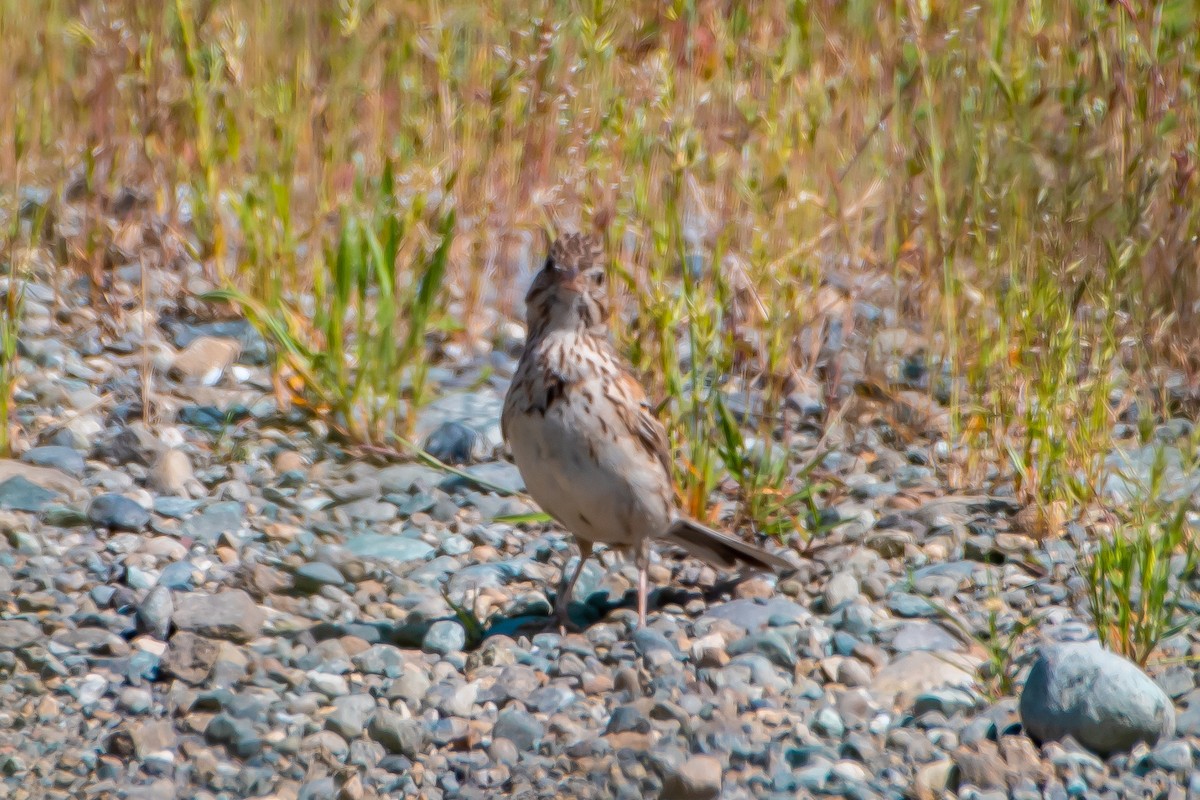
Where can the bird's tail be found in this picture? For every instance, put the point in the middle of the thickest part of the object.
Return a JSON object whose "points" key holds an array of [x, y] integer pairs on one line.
{"points": [[720, 550]]}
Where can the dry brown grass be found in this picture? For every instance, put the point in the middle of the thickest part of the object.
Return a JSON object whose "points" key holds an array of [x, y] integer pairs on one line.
{"points": [[1012, 184]]}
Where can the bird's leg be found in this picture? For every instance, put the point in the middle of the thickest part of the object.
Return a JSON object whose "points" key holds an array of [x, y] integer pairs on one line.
{"points": [[563, 602], [643, 565]]}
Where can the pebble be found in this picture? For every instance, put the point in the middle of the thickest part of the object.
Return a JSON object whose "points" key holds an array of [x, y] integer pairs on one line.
{"points": [[117, 512], [519, 727], [63, 459], [401, 736], [697, 778], [230, 614], [842, 588], [19, 494], [350, 715], [172, 473], [204, 360], [444, 637], [154, 612], [312, 577]]}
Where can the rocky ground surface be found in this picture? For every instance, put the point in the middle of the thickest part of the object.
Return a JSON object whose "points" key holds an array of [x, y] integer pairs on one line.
{"points": [[221, 602]]}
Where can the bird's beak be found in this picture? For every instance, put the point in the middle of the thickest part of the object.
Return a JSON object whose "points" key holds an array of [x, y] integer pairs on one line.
{"points": [[571, 282]]}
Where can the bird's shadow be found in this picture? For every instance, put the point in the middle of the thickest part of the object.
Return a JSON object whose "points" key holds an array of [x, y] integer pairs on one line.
{"points": [[583, 614], [597, 606]]}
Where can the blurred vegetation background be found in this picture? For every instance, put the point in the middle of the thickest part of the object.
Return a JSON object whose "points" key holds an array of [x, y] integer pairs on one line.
{"points": [[978, 220]]}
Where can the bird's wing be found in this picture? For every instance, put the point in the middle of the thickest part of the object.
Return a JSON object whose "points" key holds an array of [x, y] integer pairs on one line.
{"points": [[634, 411]]}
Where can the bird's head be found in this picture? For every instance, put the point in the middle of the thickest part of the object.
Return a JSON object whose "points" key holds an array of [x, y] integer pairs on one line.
{"points": [[570, 292]]}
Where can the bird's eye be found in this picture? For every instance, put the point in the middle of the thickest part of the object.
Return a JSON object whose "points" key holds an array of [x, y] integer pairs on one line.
{"points": [[599, 279]]}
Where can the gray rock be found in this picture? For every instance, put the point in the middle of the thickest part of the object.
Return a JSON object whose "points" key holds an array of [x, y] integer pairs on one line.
{"points": [[178, 576], [909, 637], [405, 737], [139, 578], [444, 636], [380, 659], [174, 507], [453, 443], [828, 722], [311, 577], [230, 614], [154, 612], [60, 516], [904, 604], [389, 548], [947, 701], [63, 459], [117, 512], [400, 478], [1104, 701], [238, 735], [476, 409], [17, 634], [841, 589], [499, 474], [1129, 471], [370, 510], [135, 700], [519, 727], [363, 488], [350, 714], [19, 494], [649, 640], [767, 643], [152, 736], [697, 778], [1177, 680], [751, 615], [1174, 757], [319, 789], [217, 519]]}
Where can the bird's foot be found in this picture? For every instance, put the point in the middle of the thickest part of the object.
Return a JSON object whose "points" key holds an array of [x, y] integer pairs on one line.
{"points": [[564, 623]]}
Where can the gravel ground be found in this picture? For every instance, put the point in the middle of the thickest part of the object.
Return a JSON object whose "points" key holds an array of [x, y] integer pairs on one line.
{"points": [[223, 603]]}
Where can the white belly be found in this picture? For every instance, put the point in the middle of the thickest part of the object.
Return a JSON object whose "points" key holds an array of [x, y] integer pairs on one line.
{"points": [[598, 490]]}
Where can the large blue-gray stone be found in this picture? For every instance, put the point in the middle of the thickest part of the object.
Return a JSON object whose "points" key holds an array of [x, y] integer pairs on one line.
{"points": [[1104, 701]]}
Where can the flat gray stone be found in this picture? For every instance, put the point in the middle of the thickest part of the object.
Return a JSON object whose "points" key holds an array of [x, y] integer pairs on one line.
{"points": [[18, 494], [53, 456], [751, 615], [16, 634], [217, 519], [389, 548], [400, 478], [117, 512], [230, 614]]}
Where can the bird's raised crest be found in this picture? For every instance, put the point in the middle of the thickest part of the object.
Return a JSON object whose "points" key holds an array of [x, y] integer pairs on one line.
{"points": [[579, 251]]}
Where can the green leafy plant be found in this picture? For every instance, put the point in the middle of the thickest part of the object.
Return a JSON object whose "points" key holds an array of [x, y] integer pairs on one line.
{"points": [[10, 323], [770, 494], [998, 641], [1136, 578], [361, 349]]}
